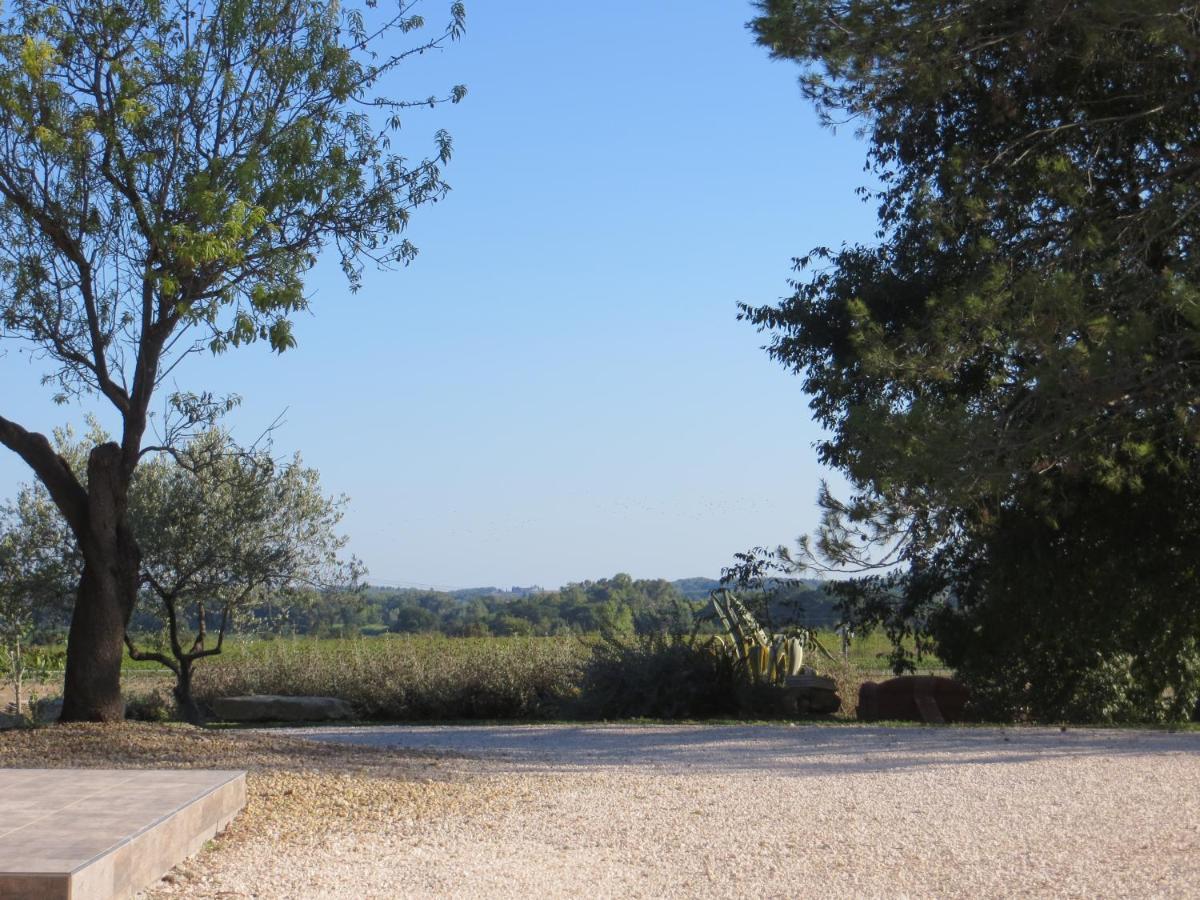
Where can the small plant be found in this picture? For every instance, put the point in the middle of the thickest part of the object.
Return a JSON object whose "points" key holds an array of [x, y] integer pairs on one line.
{"points": [[152, 706], [24, 665], [13, 665], [763, 657]]}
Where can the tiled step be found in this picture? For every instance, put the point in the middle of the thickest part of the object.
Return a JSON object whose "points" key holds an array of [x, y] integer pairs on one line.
{"points": [[95, 834]]}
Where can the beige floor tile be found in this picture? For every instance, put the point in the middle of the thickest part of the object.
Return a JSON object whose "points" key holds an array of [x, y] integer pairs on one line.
{"points": [[104, 833]]}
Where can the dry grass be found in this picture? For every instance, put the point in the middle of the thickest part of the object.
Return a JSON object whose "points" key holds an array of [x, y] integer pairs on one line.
{"points": [[849, 679], [408, 678]]}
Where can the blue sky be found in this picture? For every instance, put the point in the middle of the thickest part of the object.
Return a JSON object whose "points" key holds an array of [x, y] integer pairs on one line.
{"points": [[557, 389]]}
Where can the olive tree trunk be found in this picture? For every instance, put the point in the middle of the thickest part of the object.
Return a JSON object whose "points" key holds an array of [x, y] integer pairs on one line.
{"points": [[189, 709]]}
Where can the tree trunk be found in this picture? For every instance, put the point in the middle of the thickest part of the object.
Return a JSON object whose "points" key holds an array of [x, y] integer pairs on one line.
{"points": [[188, 708], [106, 596], [18, 666]]}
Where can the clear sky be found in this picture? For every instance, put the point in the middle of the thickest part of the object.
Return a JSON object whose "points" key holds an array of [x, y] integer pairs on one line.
{"points": [[558, 389]]}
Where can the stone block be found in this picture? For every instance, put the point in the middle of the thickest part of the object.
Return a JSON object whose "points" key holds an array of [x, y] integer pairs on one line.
{"points": [[913, 698]]}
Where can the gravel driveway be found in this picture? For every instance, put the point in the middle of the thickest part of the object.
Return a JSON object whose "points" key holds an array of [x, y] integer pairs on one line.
{"points": [[765, 811]]}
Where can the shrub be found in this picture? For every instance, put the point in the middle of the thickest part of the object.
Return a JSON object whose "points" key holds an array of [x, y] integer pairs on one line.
{"points": [[1104, 688], [151, 706], [668, 676], [849, 679]]}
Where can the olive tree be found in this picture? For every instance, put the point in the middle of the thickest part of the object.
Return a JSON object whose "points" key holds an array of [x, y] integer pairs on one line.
{"points": [[38, 565], [169, 172], [220, 530]]}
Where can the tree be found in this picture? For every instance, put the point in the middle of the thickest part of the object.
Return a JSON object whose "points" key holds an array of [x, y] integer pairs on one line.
{"points": [[413, 619], [219, 529], [1023, 341], [169, 171], [38, 563]]}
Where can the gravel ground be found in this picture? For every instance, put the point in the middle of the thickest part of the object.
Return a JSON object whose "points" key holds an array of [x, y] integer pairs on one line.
{"points": [[650, 811]]}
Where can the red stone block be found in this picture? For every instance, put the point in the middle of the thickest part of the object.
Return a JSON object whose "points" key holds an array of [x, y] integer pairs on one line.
{"points": [[913, 698]]}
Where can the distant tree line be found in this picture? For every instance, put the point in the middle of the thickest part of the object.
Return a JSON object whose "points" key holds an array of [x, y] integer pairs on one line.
{"points": [[617, 604]]}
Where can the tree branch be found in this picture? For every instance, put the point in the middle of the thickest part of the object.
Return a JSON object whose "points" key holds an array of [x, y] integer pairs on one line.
{"points": [[214, 651], [150, 656], [168, 602], [52, 470], [56, 232]]}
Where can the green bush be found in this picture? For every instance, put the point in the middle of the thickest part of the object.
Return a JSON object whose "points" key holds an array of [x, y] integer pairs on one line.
{"points": [[668, 676], [1106, 688], [1052, 624]]}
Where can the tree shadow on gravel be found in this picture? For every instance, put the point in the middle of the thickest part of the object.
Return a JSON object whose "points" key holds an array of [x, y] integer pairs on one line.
{"points": [[760, 749]]}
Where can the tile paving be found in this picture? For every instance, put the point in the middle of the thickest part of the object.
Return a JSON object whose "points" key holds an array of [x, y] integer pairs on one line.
{"points": [[95, 834]]}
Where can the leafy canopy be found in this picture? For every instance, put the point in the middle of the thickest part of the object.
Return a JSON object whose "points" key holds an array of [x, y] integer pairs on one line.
{"points": [[170, 170], [38, 563], [221, 528], [1033, 302], [1024, 333]]}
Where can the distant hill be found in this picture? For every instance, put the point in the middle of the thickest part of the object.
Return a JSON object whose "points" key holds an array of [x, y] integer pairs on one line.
{"points": [[696, 588], [473, 593]]}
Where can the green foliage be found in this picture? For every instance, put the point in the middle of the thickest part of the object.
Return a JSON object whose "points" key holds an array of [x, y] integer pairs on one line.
{"points": [[1081, 607], [220, 528], [620, 603], [36, 571], [670, 676], [1033, 302], [212, 151], [1022, 343]]}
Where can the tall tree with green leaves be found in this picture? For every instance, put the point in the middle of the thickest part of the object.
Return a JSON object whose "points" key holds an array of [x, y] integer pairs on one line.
{"points": [[1023, 341], [169, 172]]}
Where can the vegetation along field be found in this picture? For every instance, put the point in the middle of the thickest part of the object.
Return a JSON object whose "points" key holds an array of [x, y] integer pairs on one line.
{"points": [[405, 677]]}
